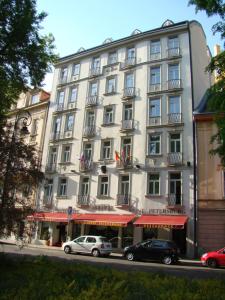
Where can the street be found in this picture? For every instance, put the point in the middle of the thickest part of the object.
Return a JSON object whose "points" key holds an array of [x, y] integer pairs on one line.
{"points": [[184, 268]]}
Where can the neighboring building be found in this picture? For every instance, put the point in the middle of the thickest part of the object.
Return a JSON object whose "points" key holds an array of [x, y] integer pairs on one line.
{"points": [[118, 151]]}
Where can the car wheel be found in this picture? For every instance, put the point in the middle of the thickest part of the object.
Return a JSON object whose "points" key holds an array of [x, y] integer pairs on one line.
{"points": [[67, 249], [211, 262], [130, 256], [167, 260], [95, 252]]}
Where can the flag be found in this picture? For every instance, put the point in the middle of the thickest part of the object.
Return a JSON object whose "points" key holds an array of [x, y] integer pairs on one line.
{"points": [[123, 155], [117, 155], [82, 158]]}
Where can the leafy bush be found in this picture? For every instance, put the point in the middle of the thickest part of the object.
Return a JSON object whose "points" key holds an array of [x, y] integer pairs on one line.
{"points": [[42, 278]]}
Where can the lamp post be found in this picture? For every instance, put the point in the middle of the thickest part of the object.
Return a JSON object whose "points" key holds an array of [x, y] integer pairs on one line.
{"points": [[25, 117]]}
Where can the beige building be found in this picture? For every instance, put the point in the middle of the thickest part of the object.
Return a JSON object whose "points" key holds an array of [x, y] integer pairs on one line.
{"points": [[118, 151]]}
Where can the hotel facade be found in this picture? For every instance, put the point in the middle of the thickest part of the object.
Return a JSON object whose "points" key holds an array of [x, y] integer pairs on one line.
{"points": [[119, 145]]}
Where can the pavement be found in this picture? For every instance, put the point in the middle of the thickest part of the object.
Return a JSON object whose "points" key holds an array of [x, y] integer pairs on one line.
{"points": [[185, 261]]}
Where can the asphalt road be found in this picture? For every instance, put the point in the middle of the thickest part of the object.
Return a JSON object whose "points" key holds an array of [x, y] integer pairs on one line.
{"points": [[184, 268]]}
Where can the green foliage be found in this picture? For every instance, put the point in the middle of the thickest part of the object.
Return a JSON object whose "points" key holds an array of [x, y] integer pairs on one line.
{"points": [[42, 278], [25, 55]]}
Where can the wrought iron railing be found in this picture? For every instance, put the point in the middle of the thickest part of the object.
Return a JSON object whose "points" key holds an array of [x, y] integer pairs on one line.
{"points": [[127, 124], [129, 62], [175, 199], [95, 71], [91, 100], [51, 167], [155, 87], [175, 158], [129, 92], [89, 131], [123, 200], [174, 118], [173, 84], [83, 200], [153, 121], [86, 165], [173, 52]]}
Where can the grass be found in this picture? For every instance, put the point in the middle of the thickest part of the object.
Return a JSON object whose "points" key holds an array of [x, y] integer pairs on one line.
{"points": [[41, 278]]}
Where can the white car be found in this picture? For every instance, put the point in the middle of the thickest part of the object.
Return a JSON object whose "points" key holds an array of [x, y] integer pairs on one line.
{"points": [[95, 245]]}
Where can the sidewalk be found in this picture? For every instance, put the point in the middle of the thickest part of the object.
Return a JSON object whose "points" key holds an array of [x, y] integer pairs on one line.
{"points": [[193, 262]]}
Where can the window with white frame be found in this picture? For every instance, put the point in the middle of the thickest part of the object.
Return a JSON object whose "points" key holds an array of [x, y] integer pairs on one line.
{"points": [[124, 184], [112, 58], [60, 99], [154, 144], [174, 105], [62, 190], [155, 76], [87, 147], [106, 149], [153, 184], [108, 115], [90, 118], [154, 107], [173, 72], [52, 155], [63, 74], [93, 91], [76, 70], [73, 94], [85, 185], [173, 42], [126, 150], [129, 80], [48, 189], [57, 125], [34, 98], [111, 85], [155, 49], [128, 112], [130, 53], [175, 143], [96, 63], [69, 123], [66, 151], [104, 186], [175, 195]]}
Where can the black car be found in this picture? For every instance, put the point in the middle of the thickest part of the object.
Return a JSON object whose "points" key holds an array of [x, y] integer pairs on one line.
{"points": [[161, 250]]}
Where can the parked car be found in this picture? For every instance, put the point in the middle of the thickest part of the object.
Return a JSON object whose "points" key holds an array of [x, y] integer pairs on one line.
{"points": [[95, 245], [161, 250], [214, 259]]}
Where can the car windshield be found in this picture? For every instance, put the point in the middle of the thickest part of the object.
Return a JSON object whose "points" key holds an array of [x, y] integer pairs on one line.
{"points": [[104, 240]]}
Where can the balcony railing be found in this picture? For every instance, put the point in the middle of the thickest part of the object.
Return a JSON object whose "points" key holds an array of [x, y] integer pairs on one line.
{"points": [[47, 201], [83, 200], [154, 87], [128, 92], [174, 118], [51, 167], [71, 105], [123, 200], [68, 134], [107, 120], [127, 125], [59, 107], [173, 52], [155, 56], [174, 200], [173, 84], [62, 80], [86, 165], [128, 63], [154, 121], [89, 131], [124, 163], [55, 136], [91, 101], [95, 71], [175, 158]]}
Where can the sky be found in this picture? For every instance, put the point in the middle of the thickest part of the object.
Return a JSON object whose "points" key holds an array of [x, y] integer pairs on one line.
{"points": [[87, 23]]}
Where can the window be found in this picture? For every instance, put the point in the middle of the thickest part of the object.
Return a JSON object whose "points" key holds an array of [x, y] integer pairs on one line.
{"points": [[175, 188], [76, 70], [153, 184], [80, 239], [34, 99], [130, 53], [174, 105], [175, 143], [154, 108], [85, 186], [104, 185], [73, 94], [154, 144], [56, 125], [93, 89], [60, 100], [106, 149], [34, 128], [111, 85], [96, 63], [124, 185], [129, 80], [155, 49], [112, 58], [173, 42], [66, 154], [48, 188], [69, 123], [128, 112], [87, 151], [90, 121], [155, 76], [173, 72], [126, 150], [108, 115], [62, 187], [90, 240], [52, 155], [63, 74]]}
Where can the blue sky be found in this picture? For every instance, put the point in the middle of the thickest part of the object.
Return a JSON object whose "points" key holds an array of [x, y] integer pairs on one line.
{"points": [[87, 23]]}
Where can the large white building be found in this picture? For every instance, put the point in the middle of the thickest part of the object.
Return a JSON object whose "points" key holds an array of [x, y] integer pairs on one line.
{"points": [[119, 143]]}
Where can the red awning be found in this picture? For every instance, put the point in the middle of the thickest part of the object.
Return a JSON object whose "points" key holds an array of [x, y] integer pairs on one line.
{"points": [[161, 221], [49, 217], [104, 219]]}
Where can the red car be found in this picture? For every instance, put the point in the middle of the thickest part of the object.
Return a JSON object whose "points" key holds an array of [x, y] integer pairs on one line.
{"points": [[214, 259]]}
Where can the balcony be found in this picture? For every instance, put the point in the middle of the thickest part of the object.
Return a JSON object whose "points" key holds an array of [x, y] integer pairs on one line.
{"points": [[173, 52], [86, 165], [91, 101], [123, 200], [154, 87], [83, 200], [174, 201], [59, 107], [128, 63], [55, 136], [127, 125], [95, 72], [155, 56], [174, 84], [128, 93], [174, 118], [124, 163], [51, 168], [89, 131], [62, 80], [71, 105], [107, 121], [154, 121], [175, 158]]}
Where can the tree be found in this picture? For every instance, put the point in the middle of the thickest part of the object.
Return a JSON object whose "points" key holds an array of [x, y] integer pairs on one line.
{"points": [[19, 175], [25, 55], [216, 94]]}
